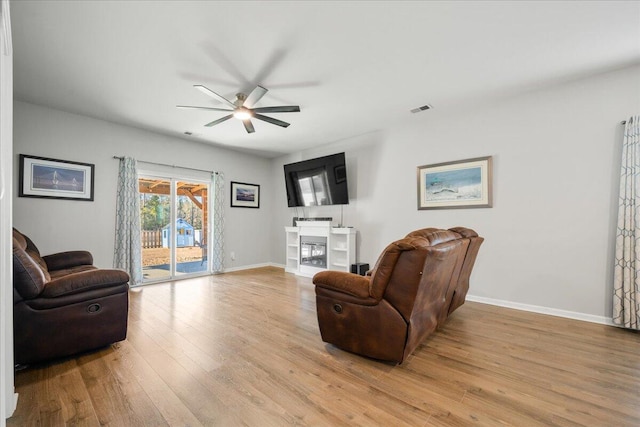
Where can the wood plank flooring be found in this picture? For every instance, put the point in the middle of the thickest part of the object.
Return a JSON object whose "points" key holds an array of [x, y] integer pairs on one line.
{"points": [[244, 348]]}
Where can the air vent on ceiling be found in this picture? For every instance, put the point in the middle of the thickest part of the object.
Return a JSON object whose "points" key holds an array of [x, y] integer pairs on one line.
{"points": [[424, 107]]}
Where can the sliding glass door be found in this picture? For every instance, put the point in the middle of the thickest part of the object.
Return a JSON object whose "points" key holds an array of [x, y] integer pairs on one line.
{"points": [[174, 215], [155, 219], [191, 227]]}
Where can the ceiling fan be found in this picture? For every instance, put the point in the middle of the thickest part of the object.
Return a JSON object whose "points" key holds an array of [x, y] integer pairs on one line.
{"points": [[242, 108]]}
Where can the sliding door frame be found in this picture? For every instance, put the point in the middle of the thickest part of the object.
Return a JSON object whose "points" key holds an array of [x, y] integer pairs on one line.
{"points": [[173, 179]]}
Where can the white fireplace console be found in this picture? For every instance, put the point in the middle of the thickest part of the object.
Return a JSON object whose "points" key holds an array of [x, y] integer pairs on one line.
{"points": [[306, 254]]}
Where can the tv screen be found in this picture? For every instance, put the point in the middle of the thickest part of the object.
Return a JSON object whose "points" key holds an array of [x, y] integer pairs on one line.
{"points": [[316, 182]]}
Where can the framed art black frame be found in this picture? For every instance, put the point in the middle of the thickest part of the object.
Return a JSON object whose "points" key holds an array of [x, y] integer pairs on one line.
{"points": [[44, 177], [244, 195]]}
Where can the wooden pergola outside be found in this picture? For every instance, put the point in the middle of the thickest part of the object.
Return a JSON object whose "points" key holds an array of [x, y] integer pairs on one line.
{"points": [[191, 190]]}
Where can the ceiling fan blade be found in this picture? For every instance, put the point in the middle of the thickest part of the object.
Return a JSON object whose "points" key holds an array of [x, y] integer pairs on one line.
{"points": [[271, 120], [184, 107], [215, 122], [280, 109], [255, 96], [214, 95], [248, 126]]}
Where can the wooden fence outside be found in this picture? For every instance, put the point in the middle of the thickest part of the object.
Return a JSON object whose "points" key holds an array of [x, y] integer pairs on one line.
{"points": [[151, 238]]}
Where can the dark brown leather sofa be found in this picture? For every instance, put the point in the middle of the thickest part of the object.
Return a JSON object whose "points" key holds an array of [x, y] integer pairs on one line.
{"points": [[414, 286], [63, 304]]}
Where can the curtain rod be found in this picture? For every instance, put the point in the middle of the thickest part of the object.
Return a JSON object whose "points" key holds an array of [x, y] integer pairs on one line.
{"points": [[171, 166]]}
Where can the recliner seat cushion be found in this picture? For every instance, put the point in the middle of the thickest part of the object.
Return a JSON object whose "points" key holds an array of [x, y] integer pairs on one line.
{"points": [[55, 274]]}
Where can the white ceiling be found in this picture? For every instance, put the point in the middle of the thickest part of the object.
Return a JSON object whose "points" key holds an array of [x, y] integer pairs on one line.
{"points": [[353, 67]]}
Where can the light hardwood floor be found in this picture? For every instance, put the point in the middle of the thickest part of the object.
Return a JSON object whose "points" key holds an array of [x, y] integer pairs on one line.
{"points": [[244, 348]]}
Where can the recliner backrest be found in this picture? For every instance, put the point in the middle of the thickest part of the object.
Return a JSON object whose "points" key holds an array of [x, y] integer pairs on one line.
{"points": [[386, 266], [406, 276], [462, 287], [32, 250], [29, 278], [431, 303], [414, 270]]}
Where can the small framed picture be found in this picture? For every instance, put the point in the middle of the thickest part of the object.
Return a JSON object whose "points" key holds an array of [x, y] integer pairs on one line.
{"points": [[245, 195], [55, 179], [459, 184]]}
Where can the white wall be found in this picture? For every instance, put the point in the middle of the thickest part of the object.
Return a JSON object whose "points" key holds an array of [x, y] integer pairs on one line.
{"points": [[549, 236], [58, 225]]}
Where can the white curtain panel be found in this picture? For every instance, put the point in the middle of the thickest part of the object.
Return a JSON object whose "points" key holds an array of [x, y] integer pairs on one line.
{"points": [[217, 252], [128, 246], [626, 296]]}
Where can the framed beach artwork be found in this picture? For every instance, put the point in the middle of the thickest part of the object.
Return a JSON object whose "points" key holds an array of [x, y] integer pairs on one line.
{"points": [[459, 184], [245, 195], [55, 179]]}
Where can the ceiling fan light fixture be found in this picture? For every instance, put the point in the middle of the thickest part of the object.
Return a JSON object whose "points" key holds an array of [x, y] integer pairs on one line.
{"points": [[243, 108], [242, 114]]}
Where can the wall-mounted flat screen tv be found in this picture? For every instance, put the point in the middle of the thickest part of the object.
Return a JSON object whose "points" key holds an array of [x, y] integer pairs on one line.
{"points": [[316, 182]]}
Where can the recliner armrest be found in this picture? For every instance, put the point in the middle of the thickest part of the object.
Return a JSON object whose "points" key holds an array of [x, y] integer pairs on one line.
{"points": [[84, 281], [67, 259], [340, 281]]}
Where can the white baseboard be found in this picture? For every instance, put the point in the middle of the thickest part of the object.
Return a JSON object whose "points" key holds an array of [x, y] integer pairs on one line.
{"points": [[249, 267], [543, 310]]}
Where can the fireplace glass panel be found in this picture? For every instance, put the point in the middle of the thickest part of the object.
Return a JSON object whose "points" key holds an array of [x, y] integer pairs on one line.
{"points": [[313, 251]]}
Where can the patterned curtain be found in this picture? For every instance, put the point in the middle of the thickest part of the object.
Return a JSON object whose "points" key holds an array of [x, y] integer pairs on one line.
{"points": [[626, 285], [128, 247], [217, 250]]}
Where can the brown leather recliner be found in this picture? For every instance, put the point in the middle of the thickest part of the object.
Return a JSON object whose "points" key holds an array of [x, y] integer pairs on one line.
{"points": [[63, 304], [416, 283]]}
